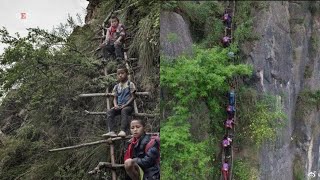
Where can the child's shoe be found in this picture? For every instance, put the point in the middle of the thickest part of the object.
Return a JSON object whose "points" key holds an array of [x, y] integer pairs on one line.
{"points": [[122, 134], [110, 134]]}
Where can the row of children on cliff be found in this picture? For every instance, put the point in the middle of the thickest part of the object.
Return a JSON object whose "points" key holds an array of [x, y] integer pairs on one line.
{"points": [[227, 139], [142, 151], [227, 20], [229, 123], [142, 155]]}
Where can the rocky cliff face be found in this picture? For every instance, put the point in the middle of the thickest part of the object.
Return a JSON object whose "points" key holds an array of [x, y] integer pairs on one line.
{"points": [[286, 63], [91, 10], [175, 37]]}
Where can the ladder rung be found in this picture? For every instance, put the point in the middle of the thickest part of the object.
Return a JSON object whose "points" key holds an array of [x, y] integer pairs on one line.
{"points": [[133, 114], [132, 59], [98, 49], [108, 75], [107, 140], [110, 94], [110, 140], [109, 165], [125, 49], [100, 37], [105, 165]]}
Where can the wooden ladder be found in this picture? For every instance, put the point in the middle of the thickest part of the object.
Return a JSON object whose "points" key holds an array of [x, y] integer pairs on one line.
{"points": [[110, 141], [233, 130]]}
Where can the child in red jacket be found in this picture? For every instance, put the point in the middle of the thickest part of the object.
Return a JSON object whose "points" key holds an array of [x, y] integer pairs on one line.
{"points": [[142, 158]]}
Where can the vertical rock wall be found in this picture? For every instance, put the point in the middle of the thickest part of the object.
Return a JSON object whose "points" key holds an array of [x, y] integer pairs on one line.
{"points": [[286, 64], [175, 37]]}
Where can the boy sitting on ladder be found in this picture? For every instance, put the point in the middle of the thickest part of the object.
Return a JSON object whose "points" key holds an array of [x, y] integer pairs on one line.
{"points": [[124, 95], [115, 35], [142, 154]]}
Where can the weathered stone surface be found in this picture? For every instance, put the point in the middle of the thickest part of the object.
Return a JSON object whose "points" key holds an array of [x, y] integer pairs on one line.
{"points": [[91, 10], [175, 37], [282, 57]]}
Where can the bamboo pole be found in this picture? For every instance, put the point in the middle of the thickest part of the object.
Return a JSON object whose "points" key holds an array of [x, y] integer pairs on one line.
{"points": [[104, 165], [134, 114], [79, 146], [111, 94], [113, 172], [108, 141], [135, 107], [235, 101]]}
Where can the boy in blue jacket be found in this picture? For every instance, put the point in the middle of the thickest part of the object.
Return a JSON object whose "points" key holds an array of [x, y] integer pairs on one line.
{"points": [[124, 94]]}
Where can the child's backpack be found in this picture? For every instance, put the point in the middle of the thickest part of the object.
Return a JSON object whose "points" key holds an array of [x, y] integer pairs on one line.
{"points": [[232, 98], [226, 16], [153, 139], [231, 109], [116, 87], [225, 143], [225, 166], [225, 39], [229, 123]]}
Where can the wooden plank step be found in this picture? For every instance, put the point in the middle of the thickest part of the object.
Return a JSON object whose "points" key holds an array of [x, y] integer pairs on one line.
{"points": [[129, 136], [116, 137], [110, 94], [99, 37], [107, 76], [108, 141], [132, 59], [78, 146], [105, 165], [133, 114]]}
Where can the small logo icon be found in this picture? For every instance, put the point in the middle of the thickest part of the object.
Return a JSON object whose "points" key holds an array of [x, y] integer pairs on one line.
{"points": [[23, 15], [312, 174]]}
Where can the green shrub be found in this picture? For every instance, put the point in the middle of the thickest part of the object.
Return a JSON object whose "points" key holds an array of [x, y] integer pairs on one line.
{"points": [[260, 116], [244, 170], [244, 22]]}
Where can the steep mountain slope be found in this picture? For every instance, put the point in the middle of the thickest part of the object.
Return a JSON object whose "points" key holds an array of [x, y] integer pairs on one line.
{"points": [[286, 58]]}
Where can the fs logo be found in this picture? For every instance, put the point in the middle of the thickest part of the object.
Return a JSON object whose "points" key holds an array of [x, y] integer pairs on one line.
{"points": [[313, 174]]}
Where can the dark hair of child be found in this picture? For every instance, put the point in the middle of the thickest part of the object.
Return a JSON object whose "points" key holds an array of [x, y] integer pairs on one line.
{"points": [[123, 67], [142, 122], [114, 17]]}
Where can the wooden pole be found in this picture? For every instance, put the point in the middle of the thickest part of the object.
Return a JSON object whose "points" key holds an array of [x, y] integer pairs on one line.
{"points": [[114, 175], [235, 101], [135, 107], [107, 89], [79, 146], [108, 141], [110, 94], [134, 114], [104, 165]]}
